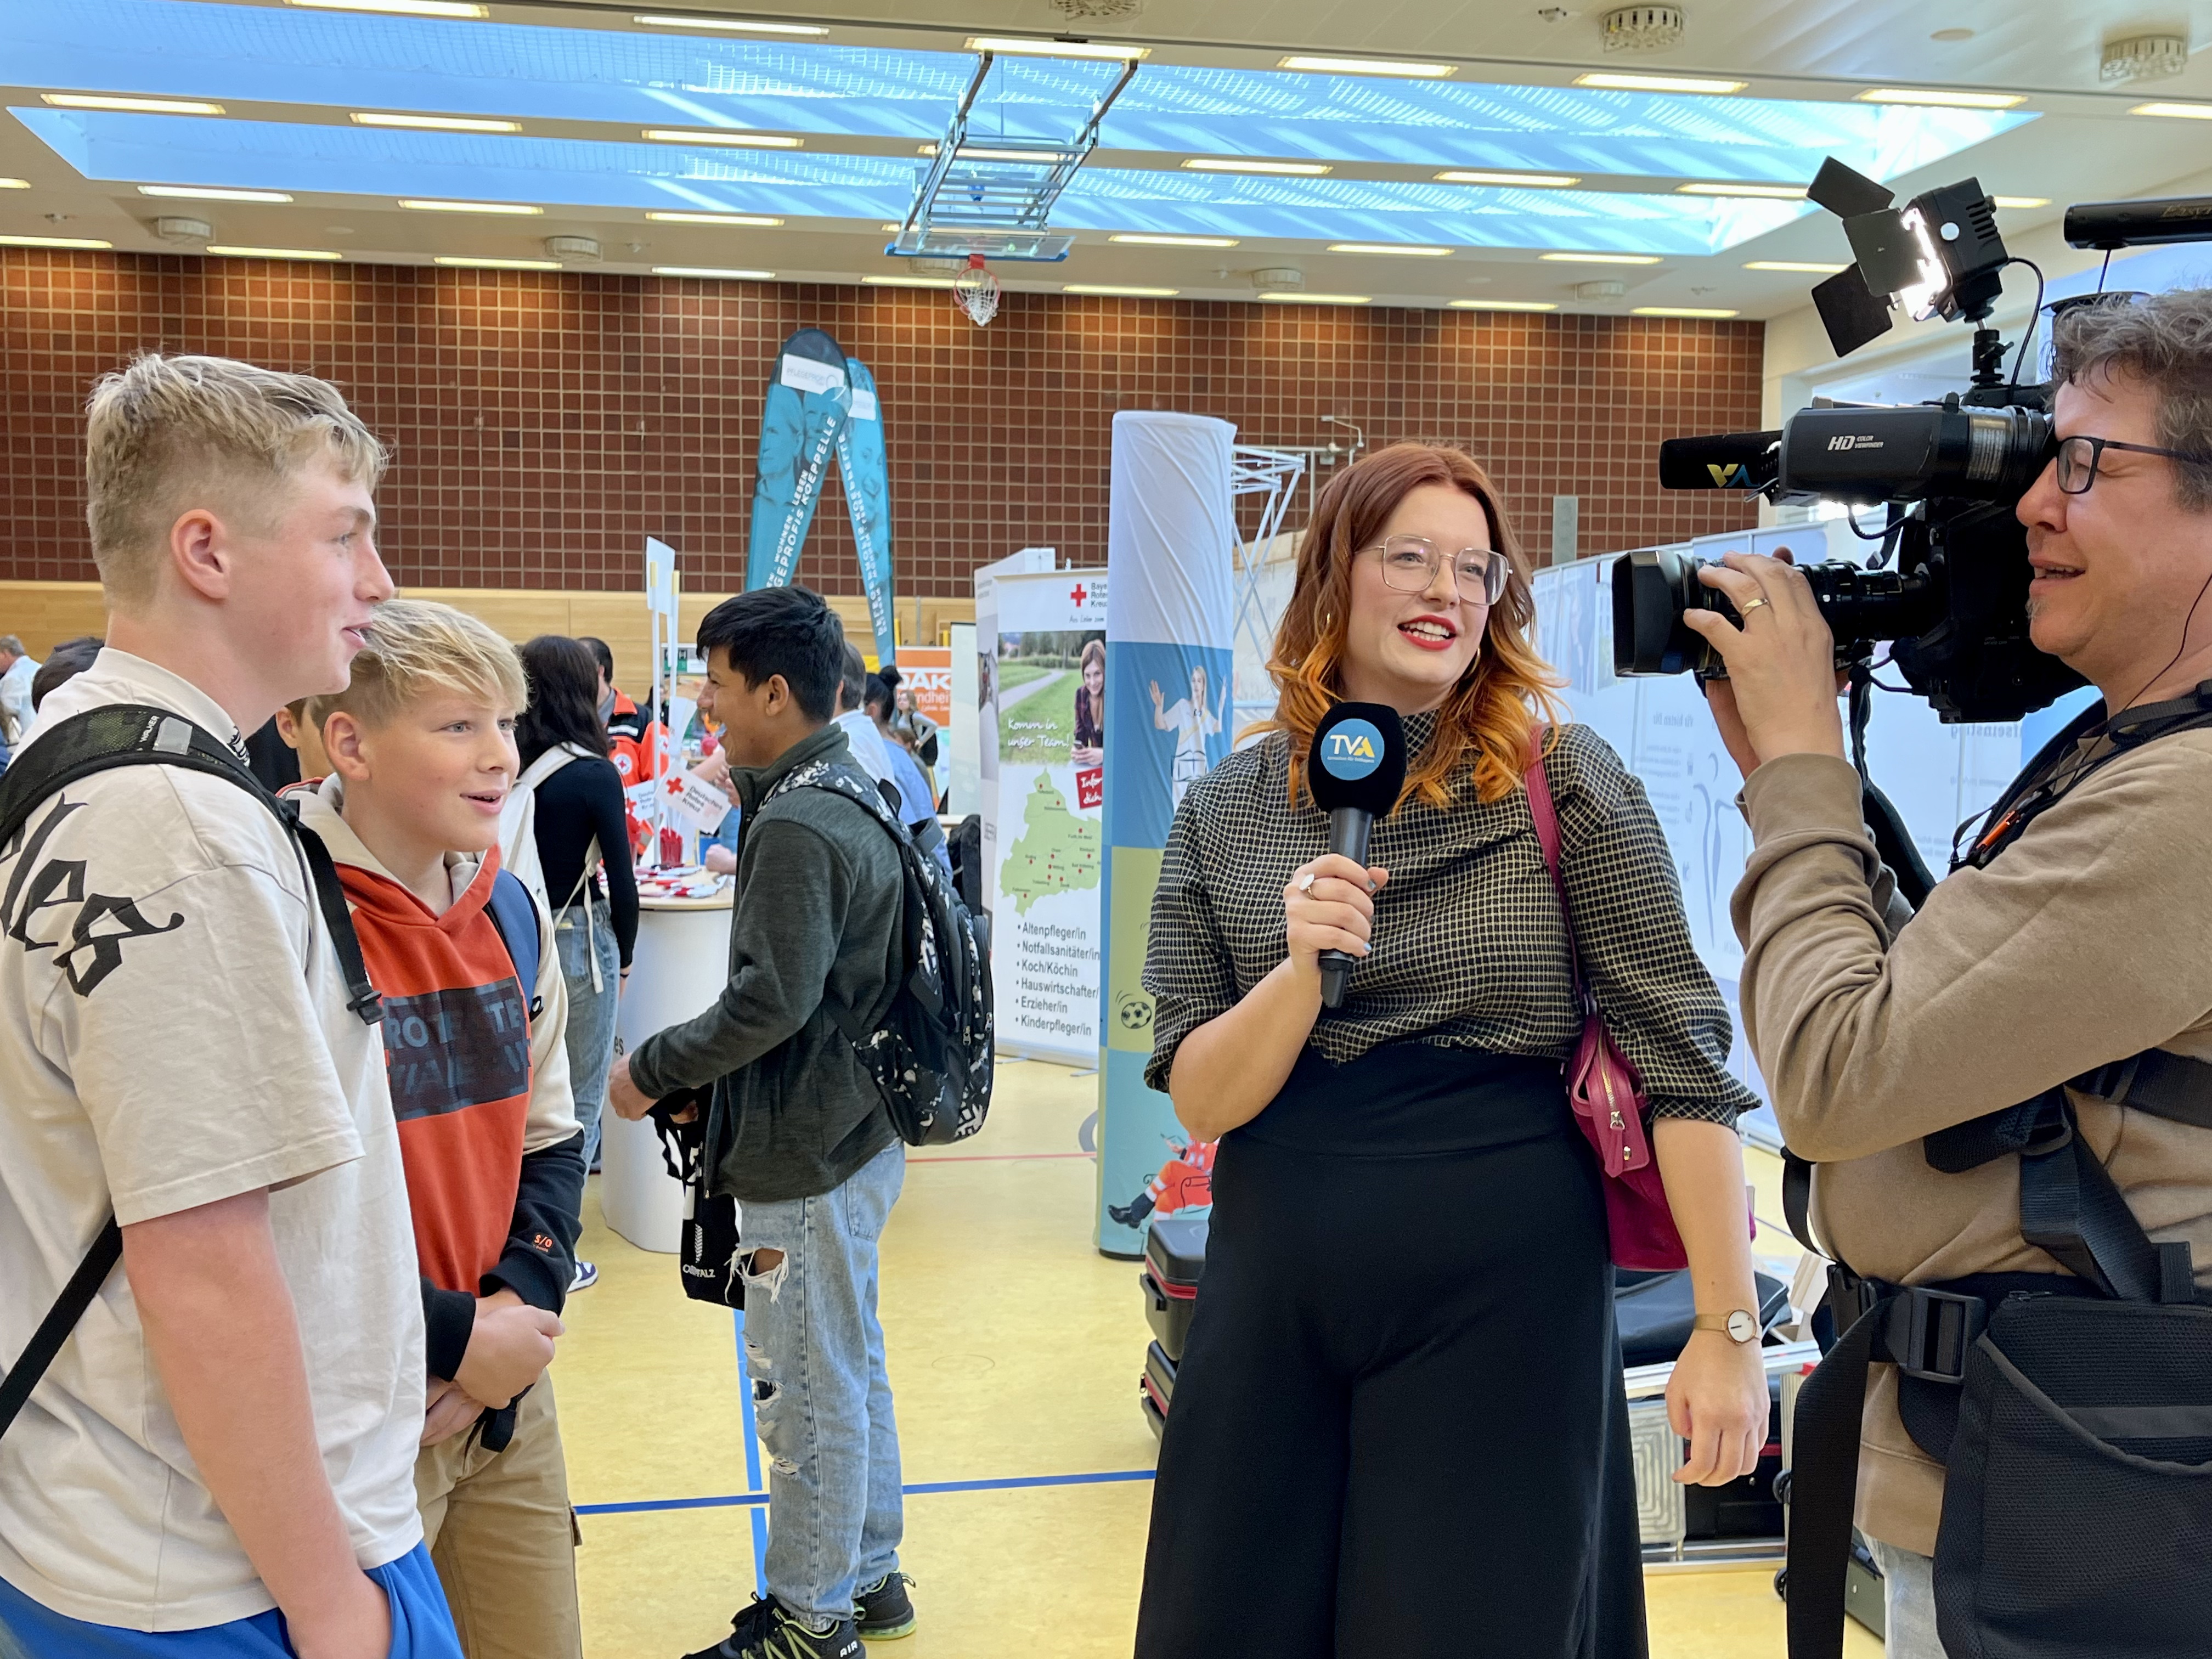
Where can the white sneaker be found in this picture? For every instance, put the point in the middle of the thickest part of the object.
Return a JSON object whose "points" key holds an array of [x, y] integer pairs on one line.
{"points": [[588, 1274]]}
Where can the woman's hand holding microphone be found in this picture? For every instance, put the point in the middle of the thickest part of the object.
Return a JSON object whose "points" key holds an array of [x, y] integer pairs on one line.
{"points": [[1328, 905]]}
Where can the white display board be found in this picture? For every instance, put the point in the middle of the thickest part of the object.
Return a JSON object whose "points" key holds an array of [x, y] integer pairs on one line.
{"points": [[1040, 650], [1938, 775]]}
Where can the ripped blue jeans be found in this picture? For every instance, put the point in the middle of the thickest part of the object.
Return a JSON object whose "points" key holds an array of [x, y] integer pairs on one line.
{"points": [[814, 1349]]}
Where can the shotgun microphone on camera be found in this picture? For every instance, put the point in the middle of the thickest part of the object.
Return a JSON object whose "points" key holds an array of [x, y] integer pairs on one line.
{"points": [[1356, 767]]}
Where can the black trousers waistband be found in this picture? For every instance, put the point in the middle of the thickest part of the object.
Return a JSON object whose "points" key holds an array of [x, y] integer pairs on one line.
{"points": [[1411, 1100]]}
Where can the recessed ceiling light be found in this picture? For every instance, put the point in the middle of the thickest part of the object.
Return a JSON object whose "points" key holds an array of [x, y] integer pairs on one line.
{"points": [[1502, 305], [719, 273], [907, 282], [1319, 299], [1601, 258], [1368, 66], [1146, 239], [1232, 164], [54, 241], [1778, 193], [470, 207], [1710, 314], [1610, 82], [894, 227], [1107, 49], [135, 106], [436, 123], [2021, 201], [1405, 249], [1113, 291], [1810, 267], [718, 135], [403, 8], [1935, 97], [2178, 112], [758, 221], [15, 183], [231, 253], [740, 24], [1952, 34], [465, 264], [1510, 180], [208, 193]]}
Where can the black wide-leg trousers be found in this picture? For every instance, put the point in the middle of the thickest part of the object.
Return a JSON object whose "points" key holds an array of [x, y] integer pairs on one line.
{"points": [[1398, 1427]]}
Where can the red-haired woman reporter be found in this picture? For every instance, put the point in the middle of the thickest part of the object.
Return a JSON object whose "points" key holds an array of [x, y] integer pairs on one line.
{"points": [[1398, 1426]]}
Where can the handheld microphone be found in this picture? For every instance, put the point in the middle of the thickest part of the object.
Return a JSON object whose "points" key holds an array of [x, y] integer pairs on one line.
{"points": [[1355, 770], [1727, 460]]}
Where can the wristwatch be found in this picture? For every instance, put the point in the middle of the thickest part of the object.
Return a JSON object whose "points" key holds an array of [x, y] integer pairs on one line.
{"points": [[1740, 1326]]}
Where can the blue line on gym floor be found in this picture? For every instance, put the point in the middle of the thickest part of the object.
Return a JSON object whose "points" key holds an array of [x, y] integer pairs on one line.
{"points": [[923, 1488]]}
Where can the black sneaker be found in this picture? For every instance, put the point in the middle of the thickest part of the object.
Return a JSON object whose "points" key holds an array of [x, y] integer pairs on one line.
{"points": [[886, 1611], [766, 1631]]}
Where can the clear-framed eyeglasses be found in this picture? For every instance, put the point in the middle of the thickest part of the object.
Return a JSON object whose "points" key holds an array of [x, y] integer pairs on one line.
{"points": [[2079, 457], [1410, 565]]}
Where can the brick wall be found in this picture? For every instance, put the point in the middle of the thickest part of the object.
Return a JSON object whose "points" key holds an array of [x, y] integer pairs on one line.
{"points": [[543, 425]]}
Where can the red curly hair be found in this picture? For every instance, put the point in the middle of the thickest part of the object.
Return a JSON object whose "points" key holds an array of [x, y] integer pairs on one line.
{"points": [[1484, 724]]}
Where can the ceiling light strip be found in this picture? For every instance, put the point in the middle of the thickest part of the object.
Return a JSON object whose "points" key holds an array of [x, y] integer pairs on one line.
{"points": [[434, 123], [718, 135], [514, 208], [1502, 305], [1238, 164], [754, 220], [1808, 267], [907, 282], [1288, 298], [210, 193], [1776, 192], [463, 262], [1002, 45], [1147, 239], [714, 273], [1601, 258], [132, 106], [1510, 180], [1608, 82], [2175, 112], [229, 252], [1939, 98], [90, 243], [655, 21], [1407, 250], [455, 8], [1110, 290], [1705, 313], [1403, 71]]}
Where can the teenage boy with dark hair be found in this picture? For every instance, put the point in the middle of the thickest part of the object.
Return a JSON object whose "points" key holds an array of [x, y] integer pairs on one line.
{"points": [[797, 1131]]}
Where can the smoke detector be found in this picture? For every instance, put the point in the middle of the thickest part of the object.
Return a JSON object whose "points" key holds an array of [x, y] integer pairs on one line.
{"points": [[2144, 57], [573, 248], [1279, 276], [1099, 7], [183, 230], [1643, 29], [1598, 292]]}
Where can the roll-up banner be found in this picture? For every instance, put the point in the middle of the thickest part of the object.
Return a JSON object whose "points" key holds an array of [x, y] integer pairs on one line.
{"points": [[1172, 535], [807, 402], [1044, 660], [866, 475]]}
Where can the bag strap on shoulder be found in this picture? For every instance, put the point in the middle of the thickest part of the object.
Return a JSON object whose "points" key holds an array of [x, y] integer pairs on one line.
{"points": [[138, 734]]}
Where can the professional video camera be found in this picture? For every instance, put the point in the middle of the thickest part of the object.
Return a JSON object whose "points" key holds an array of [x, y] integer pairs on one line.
{"points": [[1948, 585]]}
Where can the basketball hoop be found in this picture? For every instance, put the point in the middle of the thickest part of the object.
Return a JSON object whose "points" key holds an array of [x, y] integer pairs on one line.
{"points": [[975, 291]]}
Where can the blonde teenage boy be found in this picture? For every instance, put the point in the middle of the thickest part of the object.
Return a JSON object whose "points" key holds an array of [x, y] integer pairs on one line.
{"points": [[220, 1459], [422, 754]]}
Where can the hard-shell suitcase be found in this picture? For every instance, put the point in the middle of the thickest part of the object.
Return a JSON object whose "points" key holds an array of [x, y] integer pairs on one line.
{"points": [[1157, 1388], [1175, 1257]]}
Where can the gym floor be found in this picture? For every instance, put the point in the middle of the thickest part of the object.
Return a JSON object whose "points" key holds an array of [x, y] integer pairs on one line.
{"points": [[1014, 1349]]}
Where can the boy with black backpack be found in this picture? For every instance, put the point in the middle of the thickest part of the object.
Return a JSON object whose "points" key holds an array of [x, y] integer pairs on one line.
{"points": [[800, 1132], [421, 754]]}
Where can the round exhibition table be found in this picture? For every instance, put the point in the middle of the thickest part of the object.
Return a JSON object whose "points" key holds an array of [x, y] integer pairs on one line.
{"points": [[677, 967]]}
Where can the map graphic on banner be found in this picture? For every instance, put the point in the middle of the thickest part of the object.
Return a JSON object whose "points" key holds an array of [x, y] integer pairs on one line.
{"points": [[1040, 642]]}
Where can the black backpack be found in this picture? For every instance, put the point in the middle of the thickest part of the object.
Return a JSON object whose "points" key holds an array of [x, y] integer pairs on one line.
{"points": [[132, 734], [930, 1054]]}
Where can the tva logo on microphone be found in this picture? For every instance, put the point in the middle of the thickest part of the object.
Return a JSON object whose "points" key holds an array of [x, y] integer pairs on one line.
{"points": [[1351, 750]]}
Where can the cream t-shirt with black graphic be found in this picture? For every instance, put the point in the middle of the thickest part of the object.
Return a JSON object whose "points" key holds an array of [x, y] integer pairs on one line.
{"points": [[173, 1030]]}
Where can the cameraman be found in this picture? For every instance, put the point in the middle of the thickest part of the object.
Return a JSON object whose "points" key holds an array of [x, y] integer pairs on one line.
{"points": [[2082, 943]]}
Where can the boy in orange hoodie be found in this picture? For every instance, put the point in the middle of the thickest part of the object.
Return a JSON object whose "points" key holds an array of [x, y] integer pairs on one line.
{"points": [[422, 752]]}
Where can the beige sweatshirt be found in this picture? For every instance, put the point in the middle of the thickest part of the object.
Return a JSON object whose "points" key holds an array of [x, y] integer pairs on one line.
{"points": [[2089, 939]]}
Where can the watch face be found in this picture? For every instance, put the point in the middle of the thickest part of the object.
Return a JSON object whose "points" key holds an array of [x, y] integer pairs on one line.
{"points": [[1741, 1327]]}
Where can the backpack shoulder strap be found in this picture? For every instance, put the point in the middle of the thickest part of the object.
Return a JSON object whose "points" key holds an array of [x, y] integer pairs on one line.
{"points": [[514, 913], [99, 740]]}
